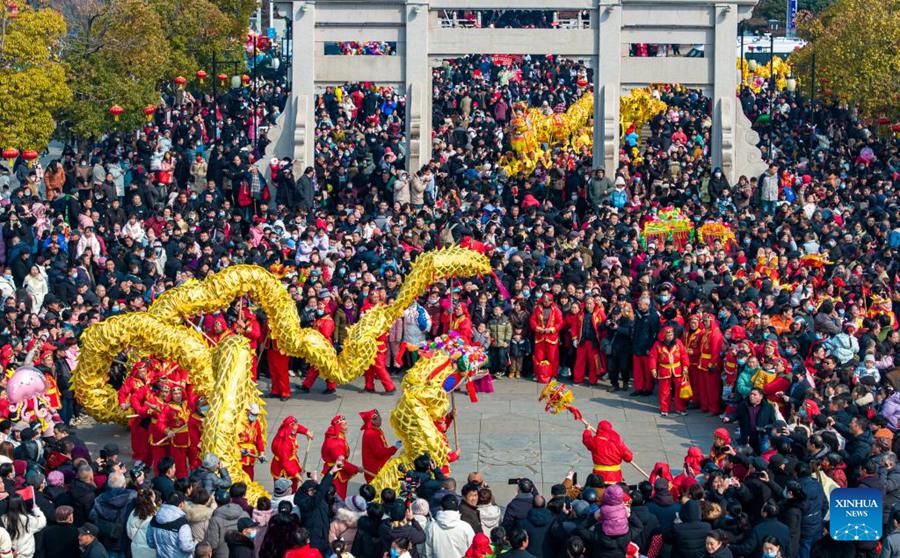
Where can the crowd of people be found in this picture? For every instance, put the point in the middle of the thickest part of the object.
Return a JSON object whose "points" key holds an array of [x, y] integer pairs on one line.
{"points": [[790, 332]]}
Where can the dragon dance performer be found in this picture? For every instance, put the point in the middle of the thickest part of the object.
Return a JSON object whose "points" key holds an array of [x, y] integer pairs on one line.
{"points": [[608, 451], [285, 462], [325, 325], [334, 448], [133, 387], [251, 441], [176, 415], [375, 449]]}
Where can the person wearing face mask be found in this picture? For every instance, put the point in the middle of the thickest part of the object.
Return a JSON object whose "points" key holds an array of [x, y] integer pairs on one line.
{"points": [[133, 386], [324, 324], [251, 441], [241, 541]]}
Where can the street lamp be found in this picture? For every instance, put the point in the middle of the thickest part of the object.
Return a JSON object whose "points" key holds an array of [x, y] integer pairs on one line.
{"points": [[773, 25]]}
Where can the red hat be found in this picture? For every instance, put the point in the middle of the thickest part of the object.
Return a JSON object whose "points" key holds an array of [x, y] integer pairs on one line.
{"points": [[722, 434], [548, 297], [337, 419], [738, 333], [366, 417], [632, 550]]}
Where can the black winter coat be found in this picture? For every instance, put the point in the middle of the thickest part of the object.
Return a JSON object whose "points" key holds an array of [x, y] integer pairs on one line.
{"points": [[83, 496], [644, 331], [537, 524], [239, 545], [59, 540], [604, 546], [751, 546], [688, 538], [315, 513]]}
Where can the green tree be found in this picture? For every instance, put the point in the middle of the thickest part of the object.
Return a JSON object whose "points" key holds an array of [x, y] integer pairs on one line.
{"points": [[32, 78], [118, 56], [857, 59]]}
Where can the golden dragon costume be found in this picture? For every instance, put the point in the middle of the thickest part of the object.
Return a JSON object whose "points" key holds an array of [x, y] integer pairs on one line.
{"points": [[222, 372]]}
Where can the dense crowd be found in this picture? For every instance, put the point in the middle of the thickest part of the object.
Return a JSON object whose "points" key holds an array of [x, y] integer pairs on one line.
{"points": [[791, 332]]}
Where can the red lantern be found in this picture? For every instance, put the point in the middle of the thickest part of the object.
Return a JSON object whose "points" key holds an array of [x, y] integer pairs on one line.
{"points": [[10, 154], [222, 79], [245, 79], [13, 10], [149, 110], [883, 121], [116, 111], [896, 128], [30, 155], [201, 75], [180, 81]]}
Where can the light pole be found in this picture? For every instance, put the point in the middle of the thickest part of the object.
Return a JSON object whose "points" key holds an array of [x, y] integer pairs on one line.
{"points": [[773, 25], [741, 31]]}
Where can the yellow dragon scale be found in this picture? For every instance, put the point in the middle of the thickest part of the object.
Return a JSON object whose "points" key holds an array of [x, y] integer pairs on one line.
{"points": [[160, 332], [422, 401]]}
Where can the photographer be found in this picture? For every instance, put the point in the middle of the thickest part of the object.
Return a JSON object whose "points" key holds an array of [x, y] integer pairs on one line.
{"points": [[315, 501]]}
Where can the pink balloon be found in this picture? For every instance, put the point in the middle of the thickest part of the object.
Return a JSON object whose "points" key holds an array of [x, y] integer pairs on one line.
{"points": [[25, 383]]}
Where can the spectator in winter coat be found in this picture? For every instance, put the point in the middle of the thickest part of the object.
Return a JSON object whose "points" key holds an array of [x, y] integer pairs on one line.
{"points": [[314, 502], [519, 507], [224, 519], [240, 540], [688, 538], [537, 524], [448, 534], [60, 536], [169, 533], [613, 515], [110, 512], [211, 475], [890, 545]]}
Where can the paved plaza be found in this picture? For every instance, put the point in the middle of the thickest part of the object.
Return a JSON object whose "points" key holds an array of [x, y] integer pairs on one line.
{"points": [[505, 435]]}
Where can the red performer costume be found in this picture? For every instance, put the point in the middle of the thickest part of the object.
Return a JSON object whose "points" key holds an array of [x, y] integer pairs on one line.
{"points": [[324, 325], [443, 425], [285, 462], [669, 365], [177, 414], [251, 441], [335, 447], [155, 406], [546, 322], [379, 369], [585, 329], [693, 337], [137, 423], [248, 326], [608, 451], [199, 408], [709, 369], [687, 478], [279, 366], [375, 449]]}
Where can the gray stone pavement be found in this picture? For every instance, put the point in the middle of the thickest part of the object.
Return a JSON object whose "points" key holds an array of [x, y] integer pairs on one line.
{"points": [[505, 435]]}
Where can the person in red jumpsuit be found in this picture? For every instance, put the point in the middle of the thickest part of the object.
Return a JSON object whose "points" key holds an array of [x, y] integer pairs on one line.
{"points": [[546, 322], [177, 414], [375, 449], [324, 324], [709, 369], [248, 326], [584, 326], [279, 370], [285, 462], [335, 447], [669, 366], [379, 369], [693, 337], [154, 405], [199, 409], [251, 441], [608, 451], [137, 425]]}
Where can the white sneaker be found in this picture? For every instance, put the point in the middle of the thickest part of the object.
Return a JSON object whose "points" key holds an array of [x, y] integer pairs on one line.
{"points": [[663, 413]]}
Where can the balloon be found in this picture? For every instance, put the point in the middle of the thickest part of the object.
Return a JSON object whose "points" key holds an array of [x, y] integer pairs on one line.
{"points": [[26, 382]]}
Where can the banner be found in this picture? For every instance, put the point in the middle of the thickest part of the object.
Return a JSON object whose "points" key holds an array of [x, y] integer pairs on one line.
{"points": [[507, 59], [791, 26]]}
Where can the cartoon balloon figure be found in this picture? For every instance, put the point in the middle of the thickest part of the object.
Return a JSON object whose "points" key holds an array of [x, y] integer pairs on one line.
{"points": [[26, 390]]}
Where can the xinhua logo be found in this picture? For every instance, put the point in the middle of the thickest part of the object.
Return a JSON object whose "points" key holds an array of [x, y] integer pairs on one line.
{"points": [[855, 514]]}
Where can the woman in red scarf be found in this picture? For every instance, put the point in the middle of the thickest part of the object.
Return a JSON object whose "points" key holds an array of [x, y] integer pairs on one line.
{"points": [[285, 462]]}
